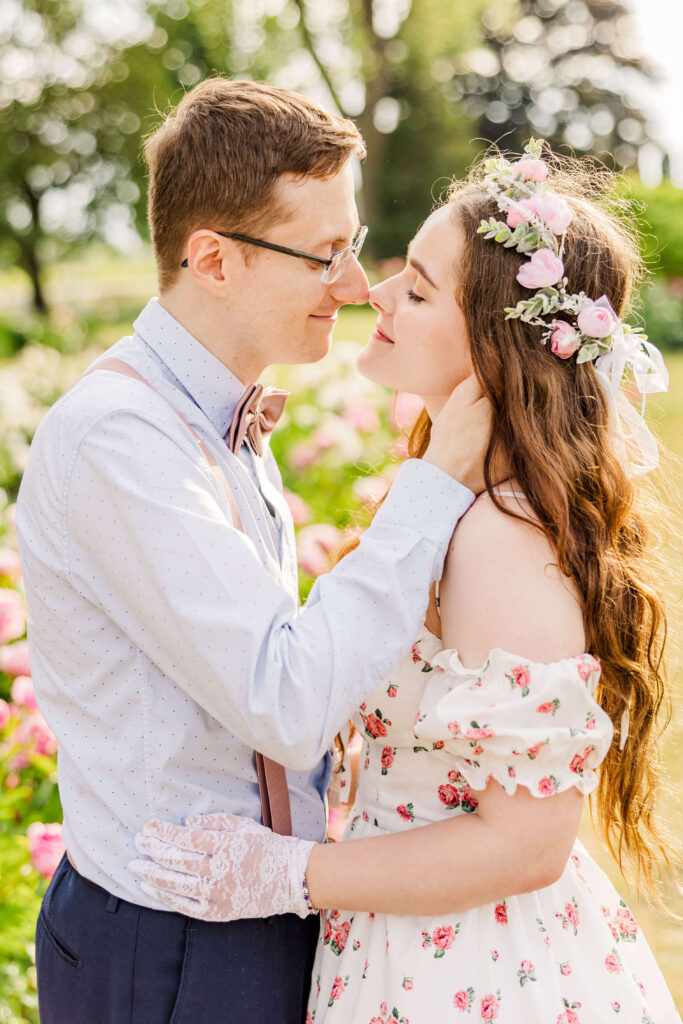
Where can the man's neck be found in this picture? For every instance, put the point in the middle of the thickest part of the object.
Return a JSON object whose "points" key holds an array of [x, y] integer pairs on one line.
{"points": [[200, 321]]}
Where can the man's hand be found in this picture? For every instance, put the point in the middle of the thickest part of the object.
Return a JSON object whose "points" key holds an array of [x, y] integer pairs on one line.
{"points": [[460, 435], [220, 867]]}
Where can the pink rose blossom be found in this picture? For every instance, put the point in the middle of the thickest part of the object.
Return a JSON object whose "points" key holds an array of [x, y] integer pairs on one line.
{"points": [[477, 734], [626, 921], [374, 726], [34, 731], [527, 966], [565, 969], [555, 212], [362, 416], [315, 543], [532, 752], [408, 984], [546, 787], [337, 988], [501, 913], [543, 269], [387, 757], [46, 847], [404, 812], [10, 564], [406, 410], [564, 341], [521, 211], [303, 455], [392, 690], [532, 169], [448, 795], [14, 659], [612, 964], [596, 320], [546, 709], [342, 934], [454, 728], [328, 931], [443, 937], [572, 913], [460, 1000], [5, 713], [521, 676], [12, 780], [301, 513], [370, 489], [22, 692], [12, 615], [489, 1007]]}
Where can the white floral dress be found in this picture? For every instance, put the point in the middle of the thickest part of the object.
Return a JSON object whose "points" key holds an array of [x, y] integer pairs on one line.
{"points": [[434, 733]]}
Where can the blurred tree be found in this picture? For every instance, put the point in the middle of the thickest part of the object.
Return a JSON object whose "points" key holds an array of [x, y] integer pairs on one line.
{"points": [[572, 72]]}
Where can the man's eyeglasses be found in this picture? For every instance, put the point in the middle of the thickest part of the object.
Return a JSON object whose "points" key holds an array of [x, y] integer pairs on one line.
{"points": [[333, 268]]}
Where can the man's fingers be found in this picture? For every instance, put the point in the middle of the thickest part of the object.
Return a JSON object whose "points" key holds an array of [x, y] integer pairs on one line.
{"points": [[170, 881], [181, 904], [170, 856]]}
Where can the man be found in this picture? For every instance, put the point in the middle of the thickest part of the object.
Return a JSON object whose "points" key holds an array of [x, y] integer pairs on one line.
{"points": [[161, 573]]}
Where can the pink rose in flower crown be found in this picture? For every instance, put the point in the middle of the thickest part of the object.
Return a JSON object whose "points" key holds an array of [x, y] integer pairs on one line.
{"points": [[597, 319], [14, 659], [46, 847], [543, 269], [555, 212], [564, 341], [532, 169], [522, 210]]}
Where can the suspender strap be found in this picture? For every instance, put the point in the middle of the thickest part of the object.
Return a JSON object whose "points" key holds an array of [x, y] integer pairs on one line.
{"points": [[275, 807]]}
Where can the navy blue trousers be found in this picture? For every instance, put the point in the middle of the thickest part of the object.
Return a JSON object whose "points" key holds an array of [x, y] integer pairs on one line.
{"points": [[102, 960]]}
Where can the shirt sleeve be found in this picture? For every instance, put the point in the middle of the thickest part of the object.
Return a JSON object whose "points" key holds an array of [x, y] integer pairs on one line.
{"points": [[151, 545]]}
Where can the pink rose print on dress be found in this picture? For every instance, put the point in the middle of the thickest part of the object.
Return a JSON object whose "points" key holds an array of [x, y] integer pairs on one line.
{"points": [[477, 731], [463, 999], [626, 923], [408, 984], [375, 724], [612, 964], [387, 758], [392, 690], [490, 1005], [578, 762], [571, 917], [448, 795], [338, 987], [565, 968], [586, 665], [501, 913], [533, 752], [406, 812], [526, 972], [441, 939], [520, 676], [569, 1016], [548, 785], [550, 707], [454, 728]]}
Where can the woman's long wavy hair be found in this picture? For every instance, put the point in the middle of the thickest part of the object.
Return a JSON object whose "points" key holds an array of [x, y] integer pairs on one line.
{"points": [[551, 427]]}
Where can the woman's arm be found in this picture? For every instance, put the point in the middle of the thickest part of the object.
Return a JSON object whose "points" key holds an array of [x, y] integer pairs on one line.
{"points": [[498, 590]]}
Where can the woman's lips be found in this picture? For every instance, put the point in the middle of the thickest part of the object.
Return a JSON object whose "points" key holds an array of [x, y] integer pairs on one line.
{"points": [[381, 336]]}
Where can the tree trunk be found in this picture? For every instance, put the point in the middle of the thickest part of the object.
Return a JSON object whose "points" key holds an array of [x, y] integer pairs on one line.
{"points": [[29, 251]]}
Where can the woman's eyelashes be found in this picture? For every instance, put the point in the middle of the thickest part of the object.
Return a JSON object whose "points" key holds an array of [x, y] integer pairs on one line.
{"points": [[412, 297]]}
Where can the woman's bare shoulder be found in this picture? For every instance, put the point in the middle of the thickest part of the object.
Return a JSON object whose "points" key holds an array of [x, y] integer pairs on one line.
{"points": [[502, 587]]}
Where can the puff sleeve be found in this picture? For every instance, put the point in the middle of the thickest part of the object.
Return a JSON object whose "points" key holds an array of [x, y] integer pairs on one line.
{"points": [[519, 722]]}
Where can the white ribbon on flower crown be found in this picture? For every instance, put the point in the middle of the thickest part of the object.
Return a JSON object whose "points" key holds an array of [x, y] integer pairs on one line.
{"points": [[633, 436]]}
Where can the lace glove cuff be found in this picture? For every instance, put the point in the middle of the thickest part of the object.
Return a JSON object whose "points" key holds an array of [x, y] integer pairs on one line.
{"points": [[220, 867]]}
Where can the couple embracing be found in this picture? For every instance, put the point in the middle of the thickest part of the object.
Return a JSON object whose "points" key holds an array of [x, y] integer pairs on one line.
{"points": [[494, 636]]}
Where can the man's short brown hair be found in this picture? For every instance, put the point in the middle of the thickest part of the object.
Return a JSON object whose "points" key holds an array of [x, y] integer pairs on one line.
{"points": [[215, 160]]}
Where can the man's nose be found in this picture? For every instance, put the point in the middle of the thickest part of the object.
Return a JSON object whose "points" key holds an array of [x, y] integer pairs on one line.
{"points": [[352, 286]]}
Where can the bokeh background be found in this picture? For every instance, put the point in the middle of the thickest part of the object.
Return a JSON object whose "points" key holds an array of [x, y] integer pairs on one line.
{"points": [[430, 84]]}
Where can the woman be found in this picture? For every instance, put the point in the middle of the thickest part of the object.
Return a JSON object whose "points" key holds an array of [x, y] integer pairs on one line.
{"points": [[492, 910]]}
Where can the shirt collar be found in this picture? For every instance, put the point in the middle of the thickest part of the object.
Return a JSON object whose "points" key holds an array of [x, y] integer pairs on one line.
{"points": [[210, 384]]}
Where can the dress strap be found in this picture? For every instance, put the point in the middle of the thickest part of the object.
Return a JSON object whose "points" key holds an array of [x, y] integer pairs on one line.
{"points": [[272, 779]]}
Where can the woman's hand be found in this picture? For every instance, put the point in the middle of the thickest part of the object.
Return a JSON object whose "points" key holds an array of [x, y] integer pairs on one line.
{"points": [[220, 867]]}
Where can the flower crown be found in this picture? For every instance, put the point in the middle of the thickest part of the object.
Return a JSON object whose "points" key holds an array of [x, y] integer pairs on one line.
{"points": [[536, 223]]}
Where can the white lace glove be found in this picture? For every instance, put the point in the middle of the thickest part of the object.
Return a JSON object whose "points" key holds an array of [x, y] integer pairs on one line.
{"points": [[221, 867]]}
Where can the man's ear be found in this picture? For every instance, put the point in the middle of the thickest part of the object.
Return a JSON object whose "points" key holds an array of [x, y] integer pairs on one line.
{"points": [[206, 261]]}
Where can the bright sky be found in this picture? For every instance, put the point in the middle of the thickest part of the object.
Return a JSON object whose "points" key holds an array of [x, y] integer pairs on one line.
{"points": [[660, 24]]}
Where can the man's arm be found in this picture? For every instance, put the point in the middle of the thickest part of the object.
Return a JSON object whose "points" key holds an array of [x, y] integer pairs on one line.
{"points": [[150, 544]]}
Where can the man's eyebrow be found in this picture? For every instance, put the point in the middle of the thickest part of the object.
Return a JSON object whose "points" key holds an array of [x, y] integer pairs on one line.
{"points": [[340, 237], [421, 271]]}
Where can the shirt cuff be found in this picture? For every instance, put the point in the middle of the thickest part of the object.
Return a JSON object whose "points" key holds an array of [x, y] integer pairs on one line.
{"points": [[425, 499]]}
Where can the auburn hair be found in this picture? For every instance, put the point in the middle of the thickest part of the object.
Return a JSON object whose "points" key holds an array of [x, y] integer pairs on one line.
{"points": [[551, 426], [216, 159]]}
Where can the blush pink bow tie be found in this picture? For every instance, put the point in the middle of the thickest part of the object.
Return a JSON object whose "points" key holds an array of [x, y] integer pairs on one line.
{"points": [[257, 412]]}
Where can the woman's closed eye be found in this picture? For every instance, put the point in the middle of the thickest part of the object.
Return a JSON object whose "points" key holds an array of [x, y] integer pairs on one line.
{"points": [[412, 297]]}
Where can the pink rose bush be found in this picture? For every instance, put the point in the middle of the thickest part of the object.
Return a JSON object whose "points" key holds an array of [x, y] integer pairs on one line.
{"points": [[12, 615], [46, 847]]}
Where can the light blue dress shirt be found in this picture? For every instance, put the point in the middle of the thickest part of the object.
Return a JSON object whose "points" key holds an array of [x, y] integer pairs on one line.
{"points": [[165, 644]]}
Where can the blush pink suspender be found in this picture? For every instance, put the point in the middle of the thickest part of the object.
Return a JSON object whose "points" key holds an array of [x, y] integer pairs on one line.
{"points": [[275, 806]]}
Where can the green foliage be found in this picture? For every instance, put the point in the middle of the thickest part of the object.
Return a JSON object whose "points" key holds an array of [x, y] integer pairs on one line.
{"points": [[660, 222]]}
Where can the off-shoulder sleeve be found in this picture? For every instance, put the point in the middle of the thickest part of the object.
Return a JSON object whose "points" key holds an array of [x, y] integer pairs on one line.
{"points": [[518, 722]]}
